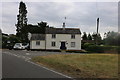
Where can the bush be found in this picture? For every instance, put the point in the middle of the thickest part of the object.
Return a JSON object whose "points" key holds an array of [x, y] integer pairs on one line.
{"points": [[118, 49], [111, 49], [86, 45], [95, 48], [101, 48]]}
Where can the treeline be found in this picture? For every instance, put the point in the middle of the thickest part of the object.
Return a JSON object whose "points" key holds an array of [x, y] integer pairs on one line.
{"points": [[94, 38], [110, 38], [94, 43]]}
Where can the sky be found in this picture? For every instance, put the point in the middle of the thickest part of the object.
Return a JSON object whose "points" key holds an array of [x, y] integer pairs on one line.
{"points": [[80, 15]]}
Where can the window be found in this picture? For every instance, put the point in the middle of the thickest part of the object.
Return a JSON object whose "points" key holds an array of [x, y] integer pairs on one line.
{"points": [[37, 43], [72, 44], [53, 44], [53, 35], [72, 36]]}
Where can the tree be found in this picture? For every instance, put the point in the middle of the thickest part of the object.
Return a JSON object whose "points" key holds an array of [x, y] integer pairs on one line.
{"points": [[97, 38], [13, 39], [89, 37], [22, 21], [84, 37], [40, 28], [43, 26], [112, 38]]}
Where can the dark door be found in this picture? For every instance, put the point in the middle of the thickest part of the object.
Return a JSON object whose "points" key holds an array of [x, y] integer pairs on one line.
{"points": [[63, 47]]}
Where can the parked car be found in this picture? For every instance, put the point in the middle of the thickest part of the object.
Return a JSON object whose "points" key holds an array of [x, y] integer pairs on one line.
{"points": [[26, 45], [19, 46], [9, 46]]}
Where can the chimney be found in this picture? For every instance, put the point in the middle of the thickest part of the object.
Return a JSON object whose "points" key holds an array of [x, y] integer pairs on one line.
{"points": [[63, 25]]}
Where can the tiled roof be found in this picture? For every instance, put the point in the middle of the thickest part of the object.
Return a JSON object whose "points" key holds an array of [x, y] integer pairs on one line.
{"points": [[38, 37], [55, 31], [63, 31]]}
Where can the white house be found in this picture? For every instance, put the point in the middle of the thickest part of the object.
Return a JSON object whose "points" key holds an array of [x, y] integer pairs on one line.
{"points": [[56, 39]]}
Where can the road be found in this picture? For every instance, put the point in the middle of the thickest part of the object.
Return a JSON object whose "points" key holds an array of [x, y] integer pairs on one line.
{"points": [[20, 66]]}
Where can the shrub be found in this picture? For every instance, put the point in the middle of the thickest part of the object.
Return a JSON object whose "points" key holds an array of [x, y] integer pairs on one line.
{"points": [[111, 49], [86, 45], [95, 48], [118, 49]]}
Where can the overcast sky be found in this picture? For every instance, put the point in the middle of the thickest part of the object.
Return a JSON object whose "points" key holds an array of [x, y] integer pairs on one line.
{"points": [[81, 15]]}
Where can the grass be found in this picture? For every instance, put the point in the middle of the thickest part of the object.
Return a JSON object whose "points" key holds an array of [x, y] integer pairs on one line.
{"points": [[82, 65]]}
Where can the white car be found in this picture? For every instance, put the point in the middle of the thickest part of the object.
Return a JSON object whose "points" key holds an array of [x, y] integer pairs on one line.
{"points": [[18, 46], [26, 45]]}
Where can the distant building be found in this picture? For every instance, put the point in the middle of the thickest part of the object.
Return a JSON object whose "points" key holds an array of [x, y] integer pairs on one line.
{"points": [[57, 39]]}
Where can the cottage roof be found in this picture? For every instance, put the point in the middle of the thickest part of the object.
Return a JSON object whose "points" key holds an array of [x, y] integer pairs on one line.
{"points": [[55, 31], [38, 37], [63, 31]]}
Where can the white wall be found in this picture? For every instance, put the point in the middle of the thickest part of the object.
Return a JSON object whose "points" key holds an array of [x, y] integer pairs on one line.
{"points": [[34, 46], [63, 37]]}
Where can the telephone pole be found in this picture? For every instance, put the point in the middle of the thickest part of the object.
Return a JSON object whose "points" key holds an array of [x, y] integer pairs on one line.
{"points": [[97, 24], [97, 31]]}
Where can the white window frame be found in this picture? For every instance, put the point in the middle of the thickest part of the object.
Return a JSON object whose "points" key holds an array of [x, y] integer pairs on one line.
{"points": [[53, 36], [72, 36], [37, 43], [73, 44], [53, 43]]}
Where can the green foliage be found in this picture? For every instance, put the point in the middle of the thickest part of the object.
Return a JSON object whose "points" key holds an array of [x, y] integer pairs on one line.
{"points": [[112, 38], [95, 48], [118, 49], [9, 40], [97, 38], [89, 37], [4, 41], [40, 28], [22, 22], [92, 48], [43, 26], [84, 37], [14, 39], [86, 45], [101, 48]]}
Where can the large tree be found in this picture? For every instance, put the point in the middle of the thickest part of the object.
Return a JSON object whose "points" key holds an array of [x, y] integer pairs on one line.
{"points": [[43, 26], [38, 29], [22, 21], [84, 37]]}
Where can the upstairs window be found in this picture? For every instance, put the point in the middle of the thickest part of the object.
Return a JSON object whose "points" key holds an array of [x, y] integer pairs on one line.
{"points": [[37, 43], [53, 35], [72, 36]]}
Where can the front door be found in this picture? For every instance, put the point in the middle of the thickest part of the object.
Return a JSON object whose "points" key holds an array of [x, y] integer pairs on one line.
{"points": [[63, 46]]}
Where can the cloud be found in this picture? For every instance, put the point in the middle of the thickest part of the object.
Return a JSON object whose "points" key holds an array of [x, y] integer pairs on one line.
{"points": [[79, 14]]}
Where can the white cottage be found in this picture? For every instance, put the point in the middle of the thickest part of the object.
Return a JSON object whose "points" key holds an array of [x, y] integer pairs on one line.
{"points": [[57, 39]]}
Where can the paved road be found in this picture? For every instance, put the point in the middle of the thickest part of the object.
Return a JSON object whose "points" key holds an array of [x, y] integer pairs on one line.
{"points": [[19, 66], [33, 53]]}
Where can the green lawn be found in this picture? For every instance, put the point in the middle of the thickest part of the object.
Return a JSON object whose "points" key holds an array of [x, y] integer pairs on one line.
{"points": [[82, 65]]}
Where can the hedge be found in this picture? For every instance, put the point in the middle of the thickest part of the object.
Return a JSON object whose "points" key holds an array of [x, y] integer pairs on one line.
{"points": [[101, 48]]}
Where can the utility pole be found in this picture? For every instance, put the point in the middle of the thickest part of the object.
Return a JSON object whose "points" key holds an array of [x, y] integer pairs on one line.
{"points": [[97, 24], [97, 31]]}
